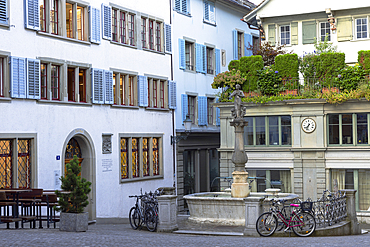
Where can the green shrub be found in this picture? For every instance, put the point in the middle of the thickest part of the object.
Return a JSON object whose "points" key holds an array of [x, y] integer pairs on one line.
{"points": [[328, 64], [269, 81], [248, 67], [349, 77], [287, 65], [364, 60], [234, 64]]}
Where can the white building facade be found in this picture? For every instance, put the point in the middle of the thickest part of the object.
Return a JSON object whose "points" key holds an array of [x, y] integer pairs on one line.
{"points": [[206, 36], [92, 79]]}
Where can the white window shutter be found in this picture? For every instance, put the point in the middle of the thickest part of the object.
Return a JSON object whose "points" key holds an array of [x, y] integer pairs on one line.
{"points": [[168, 36], [94, 25], [108, 84], [143, 90], [212, 15], [178, 5], [185, 7], [182, 54], [32, 18], [198, 58], [4, 18], [106, 21], [18, 77], [206, 10], [202, 110], [235, 45], [97, 87], [217, 61], [33, 79], [172, 94], [184, 106]]}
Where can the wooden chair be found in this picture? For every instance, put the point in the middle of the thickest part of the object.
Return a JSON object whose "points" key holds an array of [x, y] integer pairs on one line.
{"points": [[49, 200], [28, 202], [6, 204]]}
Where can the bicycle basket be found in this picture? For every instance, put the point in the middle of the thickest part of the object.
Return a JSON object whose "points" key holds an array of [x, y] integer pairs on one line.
{"points": [[306, 206]]}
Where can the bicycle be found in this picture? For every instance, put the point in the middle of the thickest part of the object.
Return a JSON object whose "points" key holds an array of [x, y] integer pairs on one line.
{"points": [[302, 222], [143, 212]]}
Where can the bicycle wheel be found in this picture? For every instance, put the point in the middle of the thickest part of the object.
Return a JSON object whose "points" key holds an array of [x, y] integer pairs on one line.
{"points": [[151, 219], [303, 224], [135, 219], [266, 224]]}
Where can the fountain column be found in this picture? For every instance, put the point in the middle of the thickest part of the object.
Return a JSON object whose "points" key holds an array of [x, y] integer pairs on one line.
{"points": [[240, 186]]}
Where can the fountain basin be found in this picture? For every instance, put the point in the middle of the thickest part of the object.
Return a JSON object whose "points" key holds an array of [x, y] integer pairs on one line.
{"points": [[221, 208]]}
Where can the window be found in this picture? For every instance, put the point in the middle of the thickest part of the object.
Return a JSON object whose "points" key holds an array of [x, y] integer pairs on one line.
{"points": [[143, 32], [210, 59], [114, 25], [131, 91], [82, 85], [361, 28], [325, 30], [54, 82], [71, 84], [241, 42], [157, 89], [189, 55], [345, 128], [264, 179], [210, 113], [240, 45], [16, 163], [182, 6], [131, 29], [1, 77], [209, 12], [123, 27], [268, 131], [158, 31], [75, 20], [44, 77], [191, 108], [285, 35], [152, 34], [140, 156]]}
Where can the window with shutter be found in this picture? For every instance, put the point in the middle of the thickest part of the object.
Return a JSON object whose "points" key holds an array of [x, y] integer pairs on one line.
{"points": [[285, 34], [202, 110], [4, 18], [209, 12], [308, 32], [182, 6], [248, 43], [271, 34], [97, 86], [108, 84], [182, 53], [325, 31], [94, 25], [235, 45], [206, 10], [199, 58], [33, 79], [217, 61], [18, 77], [172, 94], [361, 28], [143, 90], [32, 19], [212, 14], [106, 21], [344, 29], [294, 33], [184, 106], [177, 5], [210, 58], [168, 37]]}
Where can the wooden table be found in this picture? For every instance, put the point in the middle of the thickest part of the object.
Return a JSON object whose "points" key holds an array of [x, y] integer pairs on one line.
{"points": [[15, 193]]}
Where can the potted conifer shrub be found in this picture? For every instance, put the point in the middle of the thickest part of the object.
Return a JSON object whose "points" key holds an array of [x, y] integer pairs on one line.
{"points": [[73, 199]]}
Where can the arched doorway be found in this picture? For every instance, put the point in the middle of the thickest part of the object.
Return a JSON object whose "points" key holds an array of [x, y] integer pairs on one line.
{"points": [[80, 143]]}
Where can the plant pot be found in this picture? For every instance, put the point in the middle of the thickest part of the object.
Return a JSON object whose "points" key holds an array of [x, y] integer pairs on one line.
{"points": [[74, 222]]}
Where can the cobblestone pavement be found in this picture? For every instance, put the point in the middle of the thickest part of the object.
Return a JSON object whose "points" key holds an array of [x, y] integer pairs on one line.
{"points": [[123, 235]]}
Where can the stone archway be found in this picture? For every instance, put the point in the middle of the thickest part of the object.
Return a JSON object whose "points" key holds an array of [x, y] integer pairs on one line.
{"points": [[88, 158]]}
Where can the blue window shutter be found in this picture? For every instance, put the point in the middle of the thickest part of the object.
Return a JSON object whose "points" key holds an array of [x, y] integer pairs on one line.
{"points": [[18, 77], [32, 19], [198, 58], [184, 7], [184, 106], [235, 45], [33, 79], [172, 94], [217, 61], [97, 87], [108, 84], [143, 90], [218, 122], [4, 18], [94, 25], [178, 5], [204, 58], [202, 110], [182, 53], [168, 37], [206, 10], [248, 40], [106, 21]]}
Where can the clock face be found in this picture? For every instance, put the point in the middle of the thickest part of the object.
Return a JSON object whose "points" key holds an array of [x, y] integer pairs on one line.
{"points": [[308, 125]]}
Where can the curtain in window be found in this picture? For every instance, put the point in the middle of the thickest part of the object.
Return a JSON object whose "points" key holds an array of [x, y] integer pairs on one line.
{"points": [[285, 178], [363, 189], [338, 179]]}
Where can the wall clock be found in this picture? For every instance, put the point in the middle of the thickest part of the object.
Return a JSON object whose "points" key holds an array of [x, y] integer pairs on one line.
{"points": [[308, 125]]}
